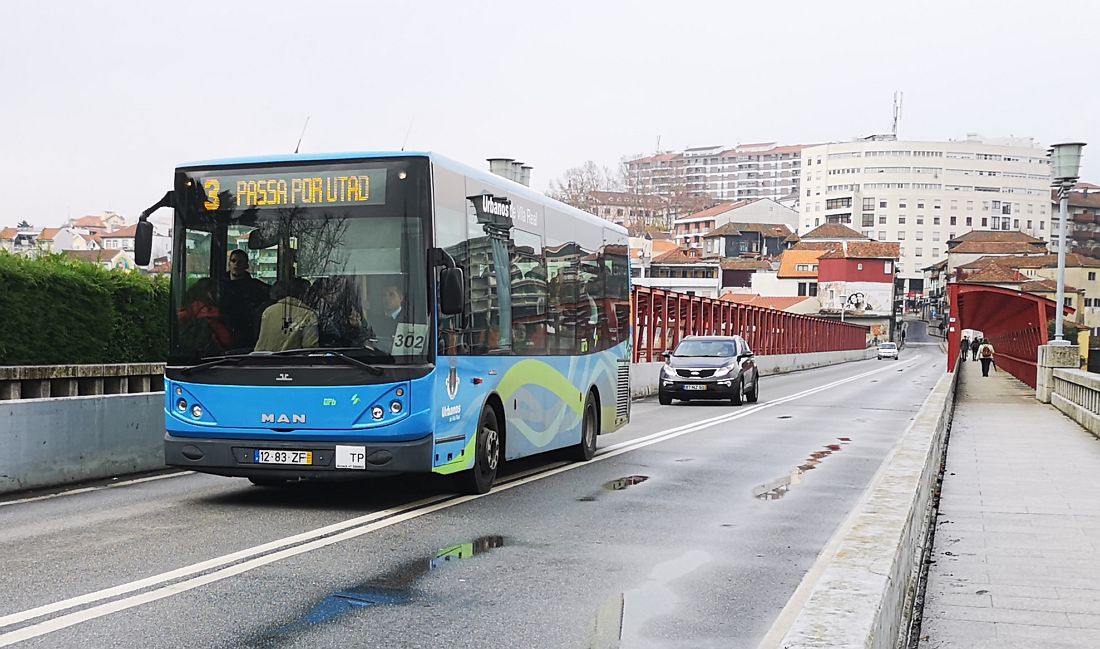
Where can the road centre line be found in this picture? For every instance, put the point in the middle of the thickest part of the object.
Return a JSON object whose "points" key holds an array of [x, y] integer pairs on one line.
{"points": [[335, 533]]}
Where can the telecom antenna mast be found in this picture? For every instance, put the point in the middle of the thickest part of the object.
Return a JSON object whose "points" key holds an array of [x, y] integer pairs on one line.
{"points": [[898, 98]]}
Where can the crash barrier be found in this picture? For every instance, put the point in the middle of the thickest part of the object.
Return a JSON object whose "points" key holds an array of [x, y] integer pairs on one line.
{"points": [[662, 318], [861, 591], [1077, 394], [50, 442], [644, 377], [44, 381]]}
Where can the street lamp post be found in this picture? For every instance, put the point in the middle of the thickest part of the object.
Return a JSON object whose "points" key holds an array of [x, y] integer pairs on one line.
{"points": [[1065, 162]]}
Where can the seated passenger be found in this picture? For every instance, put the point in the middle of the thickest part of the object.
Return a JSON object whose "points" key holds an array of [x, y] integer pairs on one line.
{"points": [[241, 298], [200, 321], [289, 323]]}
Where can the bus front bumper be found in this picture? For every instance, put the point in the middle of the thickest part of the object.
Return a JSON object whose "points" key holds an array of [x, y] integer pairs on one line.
{"points": [[237, 457]]}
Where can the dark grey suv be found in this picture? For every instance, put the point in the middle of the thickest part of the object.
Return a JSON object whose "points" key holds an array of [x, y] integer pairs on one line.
{"points": [[710, 367]]}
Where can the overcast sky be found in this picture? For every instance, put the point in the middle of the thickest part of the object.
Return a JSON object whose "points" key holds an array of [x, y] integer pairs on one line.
{"points": [[101, 100]]}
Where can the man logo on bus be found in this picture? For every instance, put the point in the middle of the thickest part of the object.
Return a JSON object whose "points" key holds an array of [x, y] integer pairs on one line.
{"points": [[452, 379]]}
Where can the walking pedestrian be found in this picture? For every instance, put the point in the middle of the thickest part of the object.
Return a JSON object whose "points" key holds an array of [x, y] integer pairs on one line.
{"points": [[985, 355], [974, 345], [964, 348]]}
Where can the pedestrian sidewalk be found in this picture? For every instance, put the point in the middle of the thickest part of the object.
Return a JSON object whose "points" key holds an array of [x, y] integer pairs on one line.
{"points": [[1017, 549]]}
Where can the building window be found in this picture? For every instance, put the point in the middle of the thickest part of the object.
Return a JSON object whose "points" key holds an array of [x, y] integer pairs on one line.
{"points": [[920, 235], [882, 220], [1016, 224], [1042, 225], [920, 252], [859, 266], [901, 235], [920, 205], [882, 203], [936, 205], [902, 203], [920, 220], [954, 220], [970, 221], [869, 204], [935, 235], [1067, 301], [1029, 226], [901, 220], [935, 220], [868, 219], [1092, 276], [985, 222], [882, 235]]}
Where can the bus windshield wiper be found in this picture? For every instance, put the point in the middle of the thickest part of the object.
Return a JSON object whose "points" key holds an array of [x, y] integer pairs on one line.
{"points": [[229, 359], [335, 353]]}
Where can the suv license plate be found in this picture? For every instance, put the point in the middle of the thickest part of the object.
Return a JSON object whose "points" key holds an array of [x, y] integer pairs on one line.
{"points": [[262, 456], [695, 386]]}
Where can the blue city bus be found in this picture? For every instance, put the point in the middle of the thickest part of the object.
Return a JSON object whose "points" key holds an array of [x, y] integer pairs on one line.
{"points": [[376, 313]]}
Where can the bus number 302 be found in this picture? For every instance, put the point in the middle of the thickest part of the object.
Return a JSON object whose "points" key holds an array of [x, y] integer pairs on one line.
{"points": [[414, 342]]}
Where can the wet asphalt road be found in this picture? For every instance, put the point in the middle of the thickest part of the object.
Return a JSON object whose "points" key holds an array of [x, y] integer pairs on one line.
{"points": [[702, 552]]}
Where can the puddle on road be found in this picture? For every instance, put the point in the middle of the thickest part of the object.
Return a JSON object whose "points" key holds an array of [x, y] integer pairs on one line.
{"points": [[623, 483], [779, 487], [783, 417], [393, 588]]}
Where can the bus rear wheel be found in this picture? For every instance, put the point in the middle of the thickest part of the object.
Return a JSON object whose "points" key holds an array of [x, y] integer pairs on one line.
{"points": [[487, 455], [590, 427]]}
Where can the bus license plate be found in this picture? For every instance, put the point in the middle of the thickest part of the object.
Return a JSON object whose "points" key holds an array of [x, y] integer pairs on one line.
{"points": [[695, 386], [261, 456]]}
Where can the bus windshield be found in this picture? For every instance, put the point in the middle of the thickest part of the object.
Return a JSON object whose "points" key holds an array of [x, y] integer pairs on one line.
{"points": [[298, 260]]}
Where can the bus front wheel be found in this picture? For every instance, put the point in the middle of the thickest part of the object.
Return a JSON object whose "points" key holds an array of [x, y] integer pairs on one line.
{"points": [[487, 455], [590, 427]]}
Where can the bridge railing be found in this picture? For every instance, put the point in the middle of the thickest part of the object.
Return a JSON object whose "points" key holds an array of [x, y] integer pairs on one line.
{"points": [[662, 318], [1077, 395], [45, 381]]}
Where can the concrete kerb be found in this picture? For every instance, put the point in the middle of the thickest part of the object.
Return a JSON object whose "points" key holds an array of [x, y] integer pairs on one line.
{"points": [[860, 592], [644, 376]]}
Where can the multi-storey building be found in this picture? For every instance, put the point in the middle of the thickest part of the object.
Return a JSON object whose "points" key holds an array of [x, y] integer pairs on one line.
{"points": [[631, 210], [764, 170], [1083, 226], [924, 194]]}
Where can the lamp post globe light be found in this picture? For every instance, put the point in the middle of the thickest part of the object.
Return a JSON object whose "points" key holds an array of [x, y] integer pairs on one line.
{"points": [[1065, 164]]}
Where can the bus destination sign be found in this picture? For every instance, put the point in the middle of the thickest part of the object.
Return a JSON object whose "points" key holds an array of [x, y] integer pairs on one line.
{"points": [[341, 188]]}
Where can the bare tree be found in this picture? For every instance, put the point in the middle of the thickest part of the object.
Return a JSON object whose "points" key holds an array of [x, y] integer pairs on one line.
{"points": [[575, 186]]}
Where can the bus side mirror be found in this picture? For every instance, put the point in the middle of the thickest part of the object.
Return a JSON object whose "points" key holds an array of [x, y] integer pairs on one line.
{"points": [[452, 293], [143, 243]]}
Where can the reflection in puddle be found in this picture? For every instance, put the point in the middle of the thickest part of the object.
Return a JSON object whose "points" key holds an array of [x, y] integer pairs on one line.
{"points": [[779, 487], [392, 588], [623, 483]]}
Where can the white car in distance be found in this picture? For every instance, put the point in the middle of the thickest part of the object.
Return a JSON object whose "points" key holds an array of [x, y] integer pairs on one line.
{"points": [[888, 350]]}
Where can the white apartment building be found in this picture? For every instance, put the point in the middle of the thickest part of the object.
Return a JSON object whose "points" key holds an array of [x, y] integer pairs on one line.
{"points": [[923, 194], [762, 170]]}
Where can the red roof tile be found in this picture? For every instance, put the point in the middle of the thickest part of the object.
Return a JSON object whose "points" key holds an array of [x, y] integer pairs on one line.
{"points": [[776, 303], [8, 234], [996, 236], [127, 232], [997, 247], [740, 263], [767, 229], [996, 275], [833, 231], [48, 234], [865, 250], [678, 256]]}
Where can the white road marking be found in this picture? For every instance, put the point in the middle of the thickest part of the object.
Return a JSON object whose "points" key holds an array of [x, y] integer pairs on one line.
{"points": [[337, 532], [84, 490]]}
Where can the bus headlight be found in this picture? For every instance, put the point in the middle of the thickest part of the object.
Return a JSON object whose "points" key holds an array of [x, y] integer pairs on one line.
{"points": [[182, 405], [377, 412], [196, 411], [395, 407]]}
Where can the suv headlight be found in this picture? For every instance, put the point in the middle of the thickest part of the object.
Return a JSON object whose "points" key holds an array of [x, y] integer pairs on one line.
{"points": [[668, 372], [724, 371]]}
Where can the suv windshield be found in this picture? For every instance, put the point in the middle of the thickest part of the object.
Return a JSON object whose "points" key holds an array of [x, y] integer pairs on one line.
{"points": [[272, 260], [712, 348]]}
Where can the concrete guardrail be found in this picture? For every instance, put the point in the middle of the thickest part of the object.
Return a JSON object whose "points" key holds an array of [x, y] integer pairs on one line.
{"points": [[1077, 394], [644, 376], [44, 381], [50, 442], [860, 593]]}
